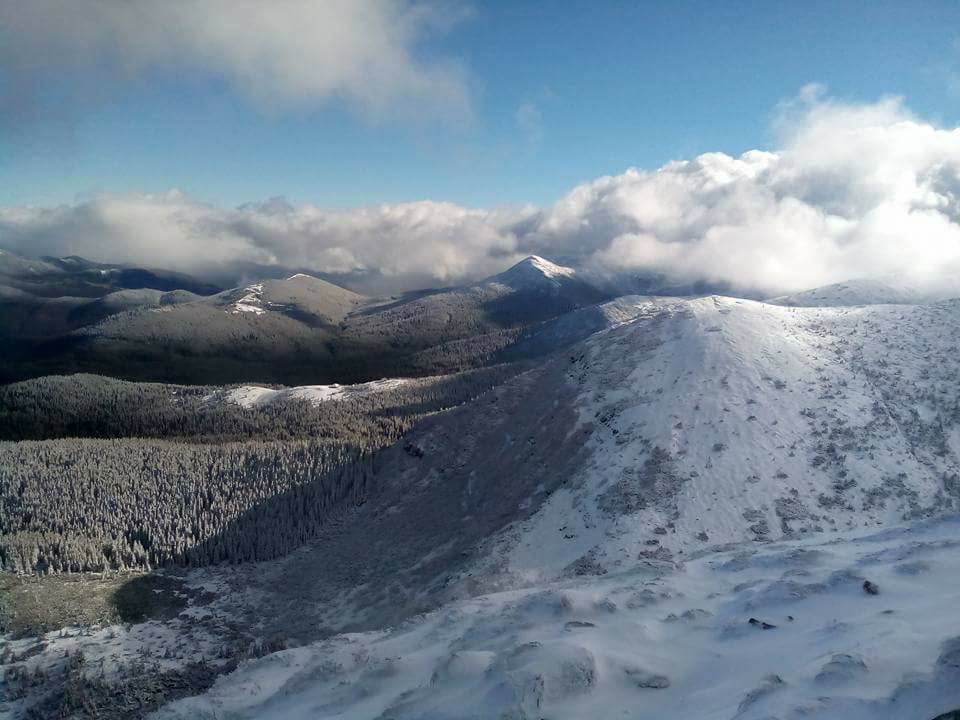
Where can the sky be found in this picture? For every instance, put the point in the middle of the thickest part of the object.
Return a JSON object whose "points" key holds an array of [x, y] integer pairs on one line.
{"points": [[341, 129]]}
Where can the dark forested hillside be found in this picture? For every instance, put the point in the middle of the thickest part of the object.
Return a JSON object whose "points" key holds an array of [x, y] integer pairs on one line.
{"points": [[99, 407], [296, 331], [99, 481]]}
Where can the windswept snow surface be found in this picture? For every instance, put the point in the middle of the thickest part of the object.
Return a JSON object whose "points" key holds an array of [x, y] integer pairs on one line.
{"points": [[252, 395], [655, 642]]}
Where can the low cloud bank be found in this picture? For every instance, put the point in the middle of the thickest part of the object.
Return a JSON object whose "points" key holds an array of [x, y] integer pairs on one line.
{"points": [[855, 190]]}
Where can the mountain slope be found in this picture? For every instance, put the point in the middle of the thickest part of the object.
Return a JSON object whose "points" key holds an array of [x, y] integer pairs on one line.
{"points": [[599, 532], [868, 291], [719, 420], [716, 420], [304, 330], [697, 424], [651, 644], [302, 297]]}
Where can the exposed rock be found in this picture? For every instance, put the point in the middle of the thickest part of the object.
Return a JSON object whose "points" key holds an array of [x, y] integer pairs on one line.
{"points": [[644, 679]]}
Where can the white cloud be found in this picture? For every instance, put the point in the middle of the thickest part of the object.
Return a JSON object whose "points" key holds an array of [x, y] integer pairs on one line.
{"points": [[400, 246], [279, 53], [855, 190]]}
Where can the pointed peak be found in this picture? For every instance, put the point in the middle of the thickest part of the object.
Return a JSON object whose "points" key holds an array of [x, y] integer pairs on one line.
{"points": [[533, 270], [546, 267]]}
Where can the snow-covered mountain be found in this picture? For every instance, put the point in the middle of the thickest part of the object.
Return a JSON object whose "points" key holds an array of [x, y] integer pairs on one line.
{"points": [[871, 291], [718, 420], [596, 535], [539, 276], [533, 271]]}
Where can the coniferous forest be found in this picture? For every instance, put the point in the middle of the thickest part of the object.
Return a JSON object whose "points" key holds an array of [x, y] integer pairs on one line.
{"points": [[101, 474]]}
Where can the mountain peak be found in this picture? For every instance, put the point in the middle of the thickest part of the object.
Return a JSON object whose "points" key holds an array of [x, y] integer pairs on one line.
{"points": [[545, 267], [533, 270]]}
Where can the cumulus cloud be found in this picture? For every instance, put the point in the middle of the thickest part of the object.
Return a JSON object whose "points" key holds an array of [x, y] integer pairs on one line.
{"points": [[854, 190], [282, 53]]}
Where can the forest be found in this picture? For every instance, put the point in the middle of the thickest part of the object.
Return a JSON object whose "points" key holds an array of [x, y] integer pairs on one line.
{"points": [[101, 407], [101, 474]]}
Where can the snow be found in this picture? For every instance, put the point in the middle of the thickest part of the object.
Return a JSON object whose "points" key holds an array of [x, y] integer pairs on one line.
{"points": [[533, 271], [112, 649], [722, 421], [549, 269], [300, 275], [652, 644], [252, 395], [251, 302], [890, 290]]}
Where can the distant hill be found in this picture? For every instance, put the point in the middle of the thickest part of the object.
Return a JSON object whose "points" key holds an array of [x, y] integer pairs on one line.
{"points": [[301, 330], [868, 291], [77, 277]]}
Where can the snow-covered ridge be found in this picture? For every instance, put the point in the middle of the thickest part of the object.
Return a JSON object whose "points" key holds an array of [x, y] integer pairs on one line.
{"points": [[719, 420], [252, 395], [301, 275], [871, 291], [251, 302], [549, 269]]}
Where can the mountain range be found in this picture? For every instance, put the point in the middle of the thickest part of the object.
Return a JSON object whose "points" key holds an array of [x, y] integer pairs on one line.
{"points": [[173, 329], [524, 498]]}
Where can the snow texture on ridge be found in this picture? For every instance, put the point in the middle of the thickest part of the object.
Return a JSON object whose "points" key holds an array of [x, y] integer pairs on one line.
{"points": [[252, 395], [719, 420]]}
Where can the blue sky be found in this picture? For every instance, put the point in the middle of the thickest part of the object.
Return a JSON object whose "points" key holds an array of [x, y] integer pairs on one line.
{"points": [[559, 93]]}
